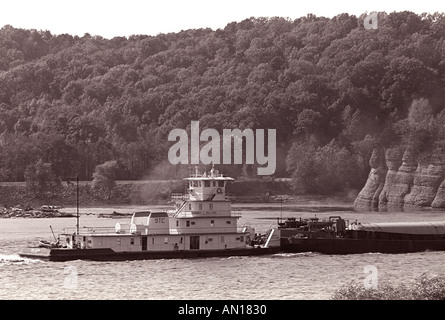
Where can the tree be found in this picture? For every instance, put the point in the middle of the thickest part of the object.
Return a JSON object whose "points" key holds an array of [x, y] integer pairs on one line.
{"points": [[419, 130], [40, 177], [104, 177], [336, 169], [322, 170], [300, 165]]}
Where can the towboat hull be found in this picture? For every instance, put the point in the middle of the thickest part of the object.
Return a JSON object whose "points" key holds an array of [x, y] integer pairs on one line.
{"points": [[106, 254]]}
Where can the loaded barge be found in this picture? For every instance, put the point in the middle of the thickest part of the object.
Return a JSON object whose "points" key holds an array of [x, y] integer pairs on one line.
{"points": [[201, 225], [337, 236]]}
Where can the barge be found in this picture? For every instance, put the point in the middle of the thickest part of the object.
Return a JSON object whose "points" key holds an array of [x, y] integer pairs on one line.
{"points": [[202, 224], [337, 236]]}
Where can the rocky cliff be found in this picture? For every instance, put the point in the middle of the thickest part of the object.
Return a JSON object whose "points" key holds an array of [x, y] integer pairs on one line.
{"points": [[399, 180]]}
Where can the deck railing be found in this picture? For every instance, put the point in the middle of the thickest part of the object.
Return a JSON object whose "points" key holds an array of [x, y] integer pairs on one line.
{"points": [[90, 230], [180, 196], [126, 230], [220, 213], [205, 175], [186, 196]]}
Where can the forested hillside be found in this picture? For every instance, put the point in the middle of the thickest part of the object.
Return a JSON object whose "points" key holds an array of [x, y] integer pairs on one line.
{"points": [[332, 89]]}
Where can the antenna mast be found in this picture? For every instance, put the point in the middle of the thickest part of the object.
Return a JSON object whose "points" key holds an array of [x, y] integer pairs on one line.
{"points": [[77, 204]]}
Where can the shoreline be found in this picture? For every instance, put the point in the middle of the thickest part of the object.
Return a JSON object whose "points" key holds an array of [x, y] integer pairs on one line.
{"points": [[126, 210]]}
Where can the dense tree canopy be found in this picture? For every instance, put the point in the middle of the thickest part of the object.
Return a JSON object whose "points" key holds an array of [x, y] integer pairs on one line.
{"points": [[327, 84]]}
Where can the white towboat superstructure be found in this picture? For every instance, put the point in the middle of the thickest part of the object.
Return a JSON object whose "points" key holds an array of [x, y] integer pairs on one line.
{"points": [[201, 225]]}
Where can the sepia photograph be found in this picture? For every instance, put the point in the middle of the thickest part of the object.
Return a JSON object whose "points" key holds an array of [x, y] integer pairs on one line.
{"points": [[220, 157]]}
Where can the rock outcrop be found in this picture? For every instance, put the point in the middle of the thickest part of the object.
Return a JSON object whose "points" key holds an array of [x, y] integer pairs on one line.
{"points": [[369, 196], [399, 181], [439, 200]]}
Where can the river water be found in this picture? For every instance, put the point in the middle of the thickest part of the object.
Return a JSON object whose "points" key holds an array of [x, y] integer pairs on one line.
{"points": [[278, 277]]}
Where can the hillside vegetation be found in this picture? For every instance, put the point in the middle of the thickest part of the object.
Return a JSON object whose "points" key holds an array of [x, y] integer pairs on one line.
{"points": [[332, 89]]}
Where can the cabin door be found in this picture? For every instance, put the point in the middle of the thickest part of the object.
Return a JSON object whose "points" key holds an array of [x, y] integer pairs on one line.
{"points": [[144, 243], [194, 242]]}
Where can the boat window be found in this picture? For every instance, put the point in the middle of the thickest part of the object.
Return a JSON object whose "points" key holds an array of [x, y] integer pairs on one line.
{"points": [[220, 184], [214, 183], [241, 239], [210, 206], [228, 222], [200, 206], [190, 206], [193, 223], [212, 222], [207, 183], [166, 240], [177, 223], [187, 223], [118, 241], [132, 241]]}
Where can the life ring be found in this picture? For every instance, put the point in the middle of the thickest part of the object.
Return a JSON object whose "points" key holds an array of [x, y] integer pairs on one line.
{"points": [[219, 190]]}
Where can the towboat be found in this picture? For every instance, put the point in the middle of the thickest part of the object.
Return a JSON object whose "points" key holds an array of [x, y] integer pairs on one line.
{"points": [[337, 236], [202, 224]]}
